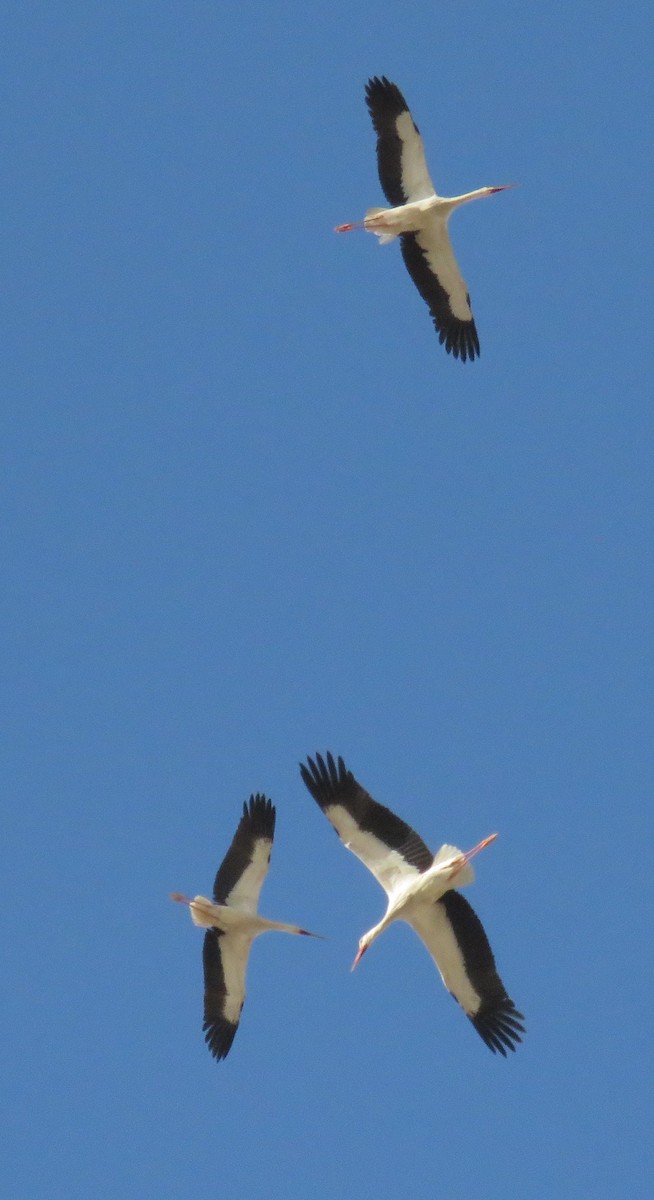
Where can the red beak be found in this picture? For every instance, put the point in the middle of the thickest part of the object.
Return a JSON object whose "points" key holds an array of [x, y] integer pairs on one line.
{"points": [[360, 953], [481, 846]]}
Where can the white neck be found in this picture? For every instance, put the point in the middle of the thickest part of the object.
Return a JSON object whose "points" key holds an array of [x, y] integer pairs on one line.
{"points": [[452, 202]]}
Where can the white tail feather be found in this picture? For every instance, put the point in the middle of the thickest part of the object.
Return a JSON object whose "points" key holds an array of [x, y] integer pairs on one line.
{"points": [[448, 854], [381, 231], [201, 912]]}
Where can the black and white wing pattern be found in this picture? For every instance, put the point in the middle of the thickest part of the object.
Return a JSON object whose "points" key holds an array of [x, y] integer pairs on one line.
{"points": [[225, 954], [401, 161], [427, 253], [389, 847], [245, 866], [456, 940], [430, 261], [224, 962]]}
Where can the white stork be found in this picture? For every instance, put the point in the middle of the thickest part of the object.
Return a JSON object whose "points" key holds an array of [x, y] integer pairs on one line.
{"points": [[419, 217], [232, 922], [419, 886]]}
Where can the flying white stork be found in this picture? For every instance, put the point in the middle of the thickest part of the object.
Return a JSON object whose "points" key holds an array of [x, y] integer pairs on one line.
{"points": [[419, 886], [419, 217], [232, 922]]}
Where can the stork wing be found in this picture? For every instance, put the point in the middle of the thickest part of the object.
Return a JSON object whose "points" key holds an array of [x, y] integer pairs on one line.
{"points": [[455, 938], [433, 268], [245, 866], [401, 162], [224, 956], [386, 845]]}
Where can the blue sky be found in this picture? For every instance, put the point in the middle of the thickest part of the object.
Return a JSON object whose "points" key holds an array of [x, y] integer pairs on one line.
{"points": [[252, 510]]}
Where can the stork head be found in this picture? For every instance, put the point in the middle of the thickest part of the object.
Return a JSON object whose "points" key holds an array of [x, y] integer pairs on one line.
{"points": [[364, 942], [453, 202]]}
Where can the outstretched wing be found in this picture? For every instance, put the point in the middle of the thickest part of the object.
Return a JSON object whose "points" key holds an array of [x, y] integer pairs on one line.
{"points": [[456, 940], [224, 957], [401, 161], [433, 268], [386, 845], [245, 866]]}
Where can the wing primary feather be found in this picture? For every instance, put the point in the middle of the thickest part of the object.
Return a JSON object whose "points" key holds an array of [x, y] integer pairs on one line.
{"points": [[497, 1020], [459, 337], [256, 827], [401, 161], [219, 1031], [331, 784]]}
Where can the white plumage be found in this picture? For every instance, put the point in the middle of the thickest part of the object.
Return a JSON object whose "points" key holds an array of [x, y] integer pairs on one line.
{"points": [[232, 922], [419, 216], [420, 890]]}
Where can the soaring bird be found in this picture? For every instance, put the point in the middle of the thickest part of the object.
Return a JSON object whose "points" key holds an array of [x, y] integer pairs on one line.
{"points": [[419, 217], [420, 889], [232, 922]]}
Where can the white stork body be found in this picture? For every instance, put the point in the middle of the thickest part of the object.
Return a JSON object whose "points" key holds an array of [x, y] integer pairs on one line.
{"points": [[419, 217], [419, 887], [232, 922]]}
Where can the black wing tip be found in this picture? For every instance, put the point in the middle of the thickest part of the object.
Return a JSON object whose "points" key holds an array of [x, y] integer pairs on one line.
{"points": [[380, 83], [219, 1035], [322, 776], [380, 89], [459, 338], [260, 813], [385, 104], [499, 1025]]}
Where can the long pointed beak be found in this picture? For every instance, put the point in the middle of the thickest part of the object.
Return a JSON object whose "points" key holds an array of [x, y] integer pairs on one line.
{"points": [[463, 859], [504, 187], [180, 898], [481, 846], [360, 953]]}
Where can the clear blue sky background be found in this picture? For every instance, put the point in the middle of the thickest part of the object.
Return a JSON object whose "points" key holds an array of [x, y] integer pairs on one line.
{"points": [[253, 510]]}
